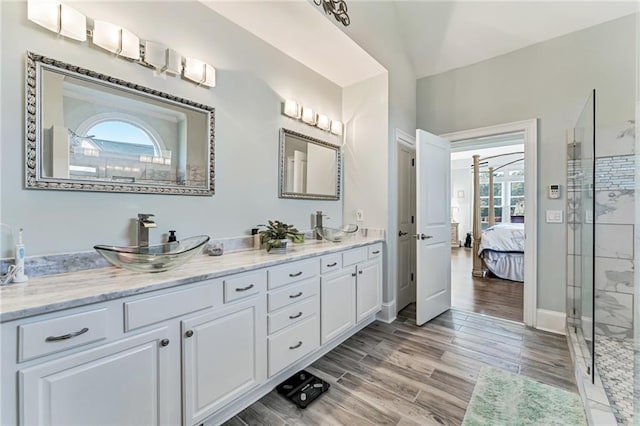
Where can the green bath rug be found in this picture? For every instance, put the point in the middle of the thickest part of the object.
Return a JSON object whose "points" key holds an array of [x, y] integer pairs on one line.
{"points": [[503, 398]]}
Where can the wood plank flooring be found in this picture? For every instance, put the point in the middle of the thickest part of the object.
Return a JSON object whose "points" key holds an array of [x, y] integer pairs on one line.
{"points": [[401, 374], [489, 296]]}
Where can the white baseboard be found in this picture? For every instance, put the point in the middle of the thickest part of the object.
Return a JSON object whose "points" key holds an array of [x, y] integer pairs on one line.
{"points": [[388, 312], [552, 321]]}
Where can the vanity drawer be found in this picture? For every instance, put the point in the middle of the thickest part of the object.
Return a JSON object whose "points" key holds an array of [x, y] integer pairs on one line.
{"points": [[330, 263], [150, 310], [243, 285], [375, 251], [293, 343], [351, 257], [292, 272], [57, 334], [293, 314], [293, 293]]}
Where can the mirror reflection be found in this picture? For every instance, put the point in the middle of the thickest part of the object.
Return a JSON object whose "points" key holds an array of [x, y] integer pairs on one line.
{"points": [[309, 167], [96, 133]]}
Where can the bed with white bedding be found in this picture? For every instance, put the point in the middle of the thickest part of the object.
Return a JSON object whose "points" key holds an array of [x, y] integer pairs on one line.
{"points": [[502, 250]]}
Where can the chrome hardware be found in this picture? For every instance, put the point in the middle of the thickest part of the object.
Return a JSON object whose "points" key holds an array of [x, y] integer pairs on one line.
{"points": [[249, 287], [296, 346], [297, 274], [164, 342], [188, 333], [144, 223], [298, 315], [401, 234], [66, 336], [422, 237], [375, 252], [295, 296], [331, 265]]}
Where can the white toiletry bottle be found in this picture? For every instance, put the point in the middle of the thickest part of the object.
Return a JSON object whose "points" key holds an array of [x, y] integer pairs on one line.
{"points": [[19, 253]]}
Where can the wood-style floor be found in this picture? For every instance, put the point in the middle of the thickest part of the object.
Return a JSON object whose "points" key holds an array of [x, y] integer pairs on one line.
{"points": [[401, 374], [489, 296]]}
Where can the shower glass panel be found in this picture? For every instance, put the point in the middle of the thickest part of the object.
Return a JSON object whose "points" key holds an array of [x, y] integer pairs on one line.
{"points": [[584, 227]]}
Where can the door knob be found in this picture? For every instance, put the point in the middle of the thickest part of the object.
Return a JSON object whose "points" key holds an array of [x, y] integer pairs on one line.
{"points": [[400, 233], [422, 237]]}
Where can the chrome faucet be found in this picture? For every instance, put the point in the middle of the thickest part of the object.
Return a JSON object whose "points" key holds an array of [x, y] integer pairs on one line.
{"points": [[144, 223], [319, 216]]}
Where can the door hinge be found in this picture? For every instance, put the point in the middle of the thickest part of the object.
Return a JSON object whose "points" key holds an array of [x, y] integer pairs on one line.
{"points": [[413, 162], [412, 219], [412, 276]]}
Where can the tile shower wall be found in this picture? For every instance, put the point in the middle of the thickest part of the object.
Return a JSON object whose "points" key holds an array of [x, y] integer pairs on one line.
{"points": [[614, 205]]}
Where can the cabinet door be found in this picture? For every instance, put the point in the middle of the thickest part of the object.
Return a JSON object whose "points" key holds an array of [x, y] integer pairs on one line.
{"points": [[369, 289], [337, 303], [121, 383], [224, 356]]}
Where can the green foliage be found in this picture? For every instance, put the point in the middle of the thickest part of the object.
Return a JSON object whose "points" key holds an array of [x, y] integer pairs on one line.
{"points": [[277, 230]]}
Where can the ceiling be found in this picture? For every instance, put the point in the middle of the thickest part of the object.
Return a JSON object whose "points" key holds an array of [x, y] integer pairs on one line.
{"points": [[437, 35]]}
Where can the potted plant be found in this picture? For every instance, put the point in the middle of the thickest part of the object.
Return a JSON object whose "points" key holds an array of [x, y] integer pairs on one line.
{"points": [[277, 234]]}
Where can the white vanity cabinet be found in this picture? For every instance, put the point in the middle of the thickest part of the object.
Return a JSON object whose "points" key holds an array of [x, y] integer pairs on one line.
{"points": [[224, 356], [352, 294], [118, 383], [190, 354]]}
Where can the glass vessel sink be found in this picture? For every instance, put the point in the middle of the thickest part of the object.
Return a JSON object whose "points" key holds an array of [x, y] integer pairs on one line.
{"points": [[337, 234], [155, 258]]}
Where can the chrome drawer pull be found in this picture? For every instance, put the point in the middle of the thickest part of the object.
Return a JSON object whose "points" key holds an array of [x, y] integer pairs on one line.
{"points": [[296, 346], [298, 315], [297, 274], [249, 287], [66, 336], [294, 296], [375, 252], [331, 265]]}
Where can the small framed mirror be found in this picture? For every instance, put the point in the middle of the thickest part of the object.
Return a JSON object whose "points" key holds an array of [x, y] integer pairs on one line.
{"points": [[91, 132], [309, 168]]}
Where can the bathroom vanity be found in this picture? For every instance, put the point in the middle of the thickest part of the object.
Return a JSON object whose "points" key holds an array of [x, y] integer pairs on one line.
{"points": [[190, 346]]}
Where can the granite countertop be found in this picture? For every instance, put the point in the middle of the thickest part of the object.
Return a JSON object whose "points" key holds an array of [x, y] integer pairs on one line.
{"points": [[56, 292]]}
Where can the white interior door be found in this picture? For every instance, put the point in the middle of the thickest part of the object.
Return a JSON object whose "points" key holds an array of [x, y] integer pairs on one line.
{"points": [[433, 226], [406, 226]]}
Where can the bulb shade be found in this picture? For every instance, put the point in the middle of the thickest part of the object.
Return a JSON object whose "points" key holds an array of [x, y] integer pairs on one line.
{"points": [[116, 39], [44, 13], [73, 24], [291, 108], [199, 71], [308, 116], [323, 122], [337, 127]]}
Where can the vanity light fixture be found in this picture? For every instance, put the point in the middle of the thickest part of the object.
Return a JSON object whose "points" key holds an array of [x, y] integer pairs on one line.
{"points": [[292, 109], [337, 127], [324, 122], [161, 57], [116, 39], [198, 71], [59, 18], [309, 116]]}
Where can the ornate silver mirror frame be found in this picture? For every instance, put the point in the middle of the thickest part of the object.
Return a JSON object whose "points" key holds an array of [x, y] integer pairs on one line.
{"points": [[180, 177], [309, 169]]}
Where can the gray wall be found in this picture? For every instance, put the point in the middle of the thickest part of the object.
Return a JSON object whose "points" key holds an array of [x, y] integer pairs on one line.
{"points": [[252, 79], [549, 81], [374, 29]]}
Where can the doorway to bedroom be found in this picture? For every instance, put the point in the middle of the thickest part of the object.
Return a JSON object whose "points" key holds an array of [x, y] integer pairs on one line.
{"points": [[487, 225]]}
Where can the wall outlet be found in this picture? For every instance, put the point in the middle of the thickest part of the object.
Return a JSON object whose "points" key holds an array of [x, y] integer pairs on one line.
{"points": [[359, 215]]}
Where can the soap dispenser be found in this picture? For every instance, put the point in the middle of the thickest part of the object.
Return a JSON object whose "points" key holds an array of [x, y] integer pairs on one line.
{"points": [[20, 277], [256, 238]]}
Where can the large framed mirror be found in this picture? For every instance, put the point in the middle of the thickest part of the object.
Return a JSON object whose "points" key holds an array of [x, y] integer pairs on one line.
{"points": [[309, 168], [91, 132]]}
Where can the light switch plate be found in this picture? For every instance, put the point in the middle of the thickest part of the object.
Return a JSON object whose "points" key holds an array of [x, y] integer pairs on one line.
{"points": [[359, 215], [555, 216]]}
